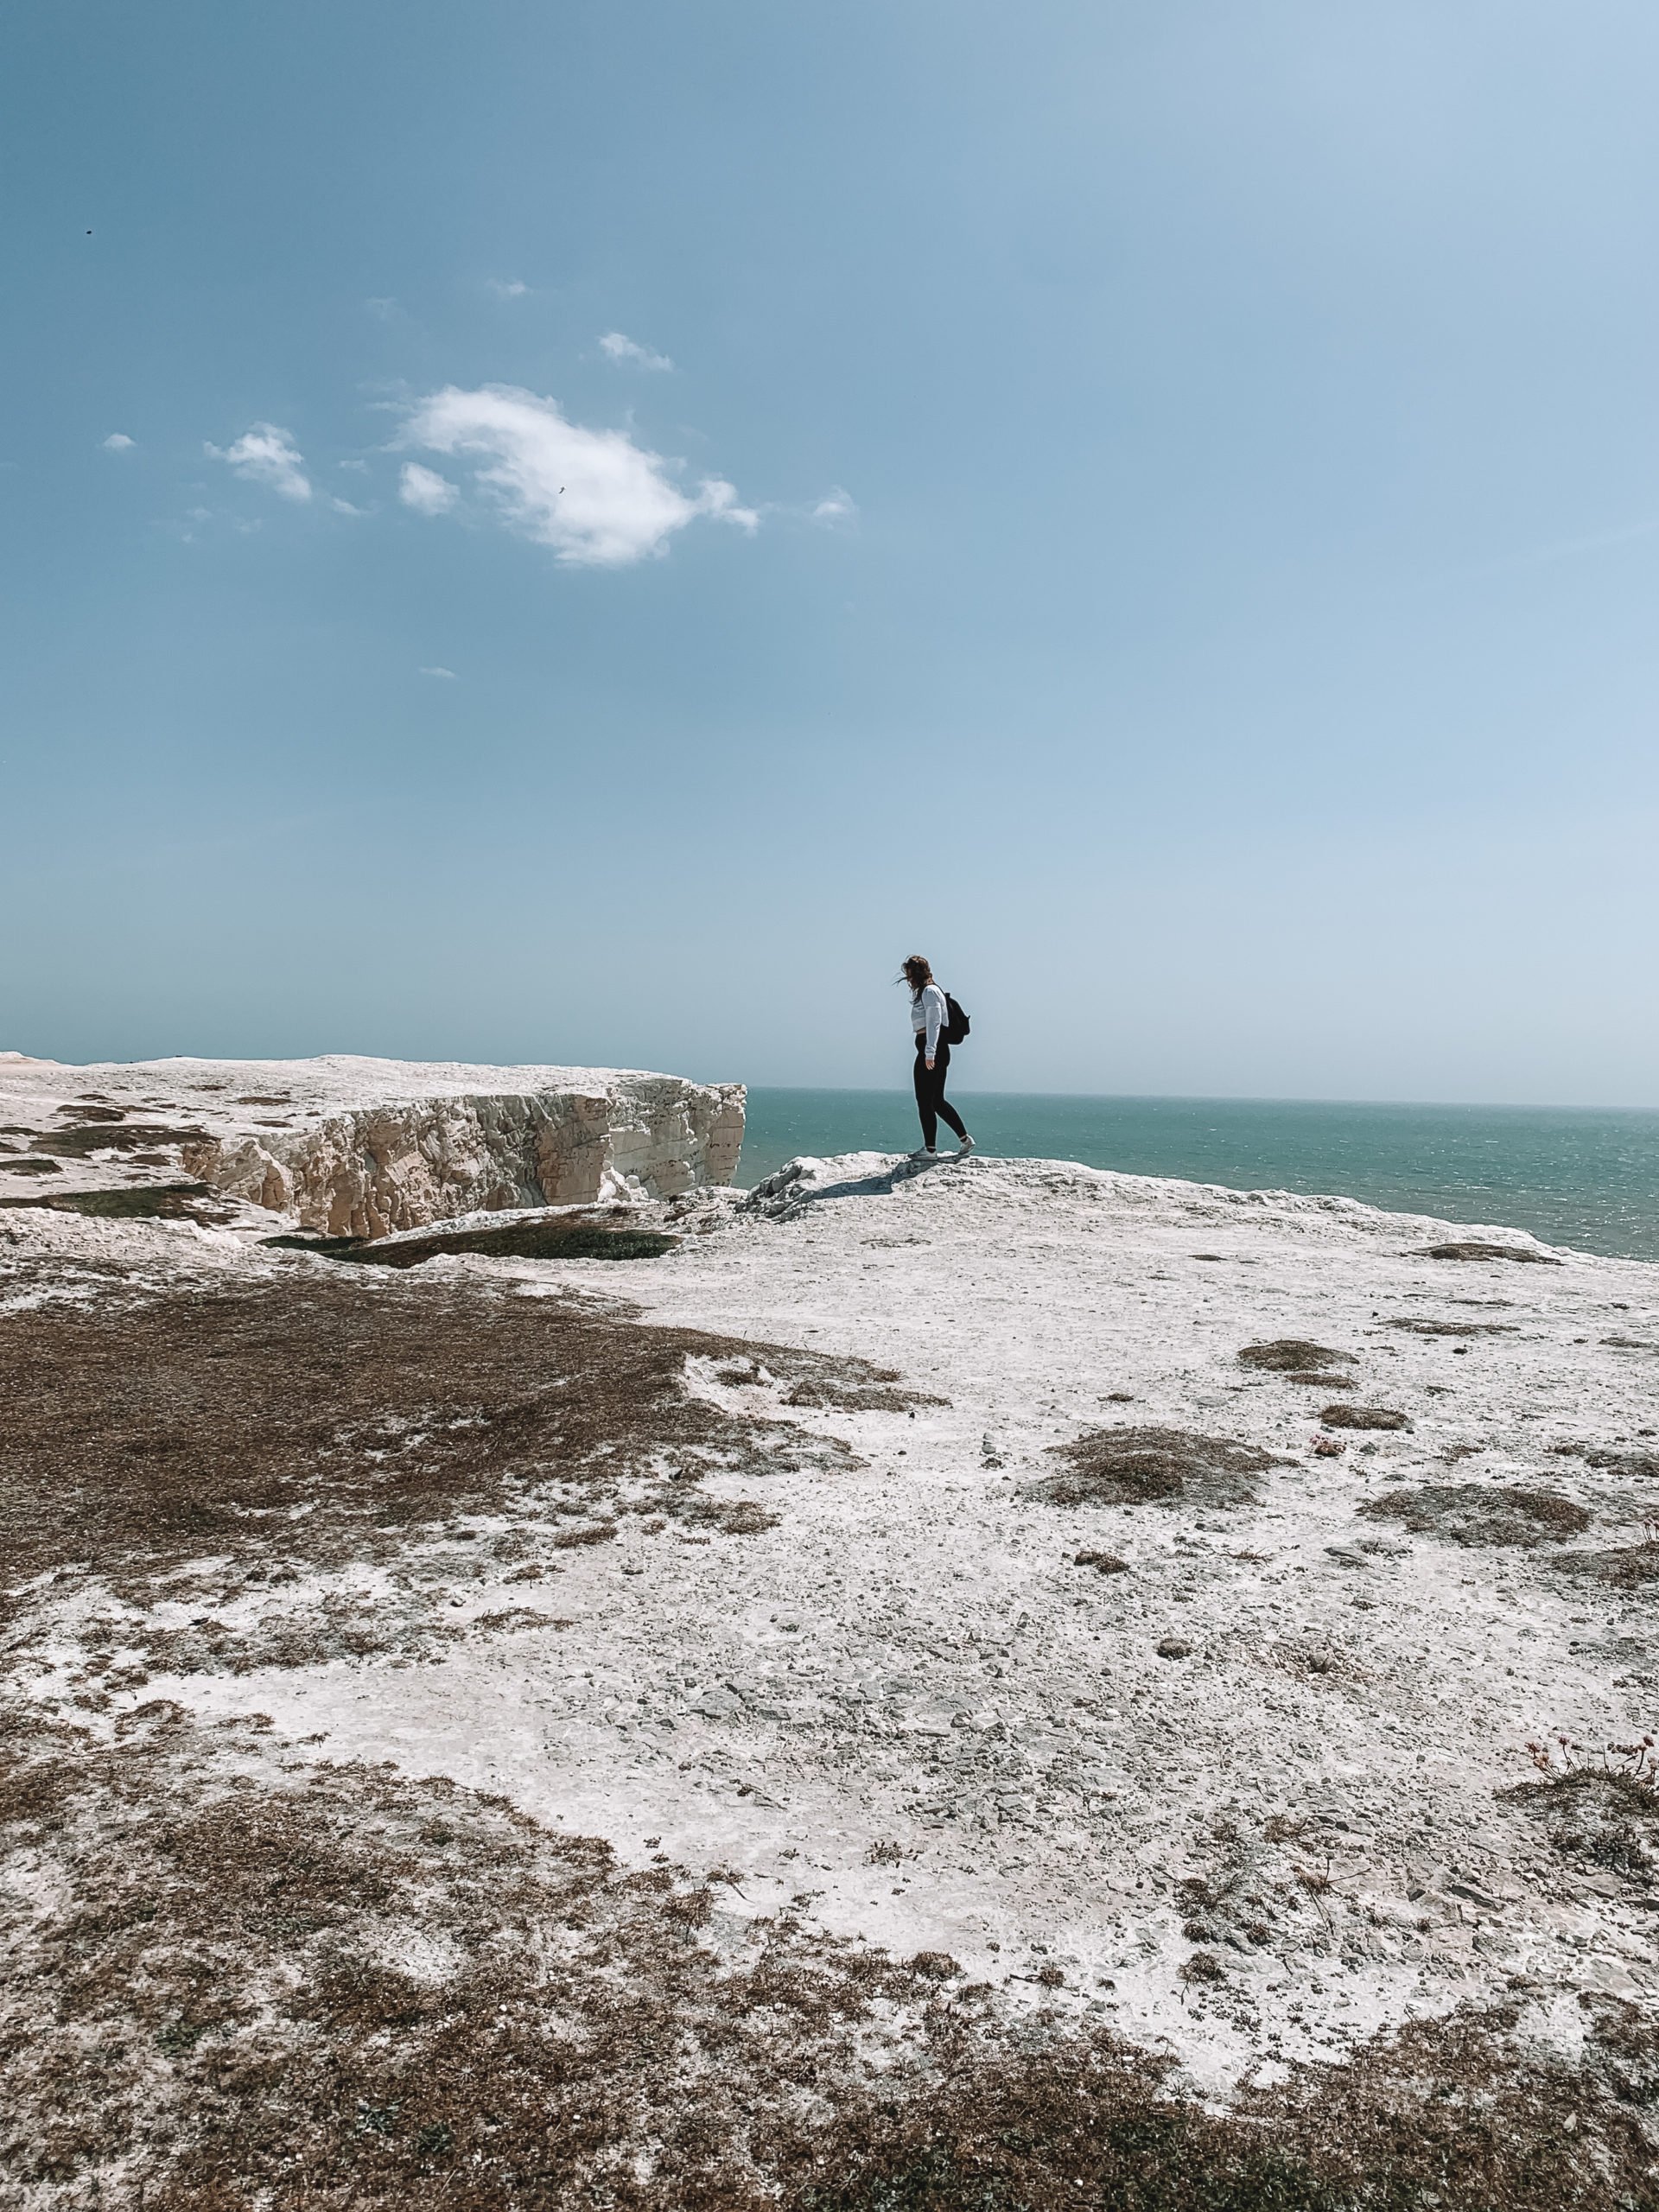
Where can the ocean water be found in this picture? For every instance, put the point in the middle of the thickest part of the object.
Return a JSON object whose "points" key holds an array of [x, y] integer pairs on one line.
{"points": [[1576, 1177]]}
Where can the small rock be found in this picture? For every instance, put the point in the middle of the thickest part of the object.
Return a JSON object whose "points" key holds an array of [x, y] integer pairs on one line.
{"points": [[1172, 1648]]}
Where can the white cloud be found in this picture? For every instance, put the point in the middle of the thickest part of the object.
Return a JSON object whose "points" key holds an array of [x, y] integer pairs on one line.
{"points": [[345, 507], [265, 455], [835, 505], [425, 491], [117, 442], [507, 291], [596, 497], [447, 674], [626, 352]]}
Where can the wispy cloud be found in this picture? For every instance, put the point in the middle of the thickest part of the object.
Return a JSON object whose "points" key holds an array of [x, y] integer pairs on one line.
{"points": [[505, 290], [447, 674], [117, 442], [265, 455], [627, 353], [596, 497], [1566, 549], [425, 491], [835, 507]]}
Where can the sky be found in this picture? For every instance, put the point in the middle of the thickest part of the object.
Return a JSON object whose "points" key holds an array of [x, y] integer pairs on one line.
{"points": [[584, 533]]}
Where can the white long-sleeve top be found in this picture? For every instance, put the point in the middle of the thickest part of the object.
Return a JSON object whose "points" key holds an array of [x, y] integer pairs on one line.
{"points": [[927, 1012]]}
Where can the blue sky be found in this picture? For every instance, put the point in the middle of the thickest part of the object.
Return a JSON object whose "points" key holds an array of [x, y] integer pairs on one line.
{"points": [[1157, 505]]}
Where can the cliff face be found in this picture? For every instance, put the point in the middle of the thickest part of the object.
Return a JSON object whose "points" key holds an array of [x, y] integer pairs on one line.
{"points": [[357, 1146]]}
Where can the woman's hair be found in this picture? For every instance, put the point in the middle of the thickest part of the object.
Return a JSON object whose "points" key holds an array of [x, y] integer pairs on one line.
{"points": [[916, 973]]}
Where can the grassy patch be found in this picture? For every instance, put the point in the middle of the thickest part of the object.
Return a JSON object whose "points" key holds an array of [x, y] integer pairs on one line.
{"points": [[1153, 1466], [1627, 1567], [152, 1202], [1295, 1356], [1602, 1818], [1478, 1251], [214, 2005], [1475, 1513], [561, 1239], [121, 1136], [316, 1419]]}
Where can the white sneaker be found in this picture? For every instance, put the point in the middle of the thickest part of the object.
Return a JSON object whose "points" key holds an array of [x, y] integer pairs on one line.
{"points": [[964, 1147], [925, 1152]]}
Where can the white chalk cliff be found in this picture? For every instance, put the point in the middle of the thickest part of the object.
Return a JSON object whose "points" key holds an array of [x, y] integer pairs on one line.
{"points": [[363, 1147]]}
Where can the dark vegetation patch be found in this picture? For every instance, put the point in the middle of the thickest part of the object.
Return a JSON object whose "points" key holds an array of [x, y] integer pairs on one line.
{"points": [[1478, 1251], [1362, 1417], [1600, 1817], [1293, 1356], [74, 1143], [871, 1398], [1477, 1513], [1644, 1465], [564, 1237], [1627, 1567], [1103, 1562], [87, 1112], [215, 2006], [850, 1387], [1421, 1326], [1323, 1382], [23, 1165], [320, 1419], [195, 1202], [1450, 2113], [1148, 1466]]}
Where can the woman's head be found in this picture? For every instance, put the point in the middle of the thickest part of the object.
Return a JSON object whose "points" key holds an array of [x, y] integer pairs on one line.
{"points": [[918, 974]]}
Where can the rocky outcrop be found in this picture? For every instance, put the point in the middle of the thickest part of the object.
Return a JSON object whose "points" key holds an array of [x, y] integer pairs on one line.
{"points": [[363, 1147], [403, 1165]]}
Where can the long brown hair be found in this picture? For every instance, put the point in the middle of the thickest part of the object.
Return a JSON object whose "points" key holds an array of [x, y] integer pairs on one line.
{"points": [[918, 974]]}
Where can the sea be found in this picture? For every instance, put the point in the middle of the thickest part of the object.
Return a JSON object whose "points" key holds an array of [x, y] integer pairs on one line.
{"points": [[1579, 1177]]}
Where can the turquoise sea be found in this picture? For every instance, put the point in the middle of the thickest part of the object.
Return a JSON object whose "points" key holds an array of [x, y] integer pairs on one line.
{"points": [[1577, 1177]]}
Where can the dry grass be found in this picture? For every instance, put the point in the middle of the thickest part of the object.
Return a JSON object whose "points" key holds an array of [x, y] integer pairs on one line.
{"points": [[166, 1429], [76, 1143], [1420, 1327], [1642, 1465], [1626, 1568], [337, 1990], [604, 1233], [1478, 1251], [195, 1202], [1362, 1417], [1474, 1513], [1142, 1466], [1295, 1356], [1603, 1818]]}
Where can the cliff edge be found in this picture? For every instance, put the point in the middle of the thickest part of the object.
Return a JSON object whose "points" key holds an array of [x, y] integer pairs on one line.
{"points": [[363, 1147]]}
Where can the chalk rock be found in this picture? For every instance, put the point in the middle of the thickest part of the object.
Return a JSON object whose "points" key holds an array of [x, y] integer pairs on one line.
{"points": [[363, 1147]]}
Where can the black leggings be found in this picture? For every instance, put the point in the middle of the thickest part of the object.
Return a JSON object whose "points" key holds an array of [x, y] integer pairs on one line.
{"points": [[931, 1101]]}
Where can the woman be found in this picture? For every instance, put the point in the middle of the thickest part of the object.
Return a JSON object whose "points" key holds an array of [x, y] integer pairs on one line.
{"points": [[928, 1018]]}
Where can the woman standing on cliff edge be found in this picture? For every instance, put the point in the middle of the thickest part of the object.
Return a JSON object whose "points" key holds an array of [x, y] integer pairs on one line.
{"points": [[929, 1018]]}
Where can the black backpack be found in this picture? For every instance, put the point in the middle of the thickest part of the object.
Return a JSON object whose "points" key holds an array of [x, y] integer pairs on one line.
{"points": [[957, 1024]]}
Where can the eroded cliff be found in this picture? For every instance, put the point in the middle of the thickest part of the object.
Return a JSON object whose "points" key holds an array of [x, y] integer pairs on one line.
{"points": [[361, 1147]]}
